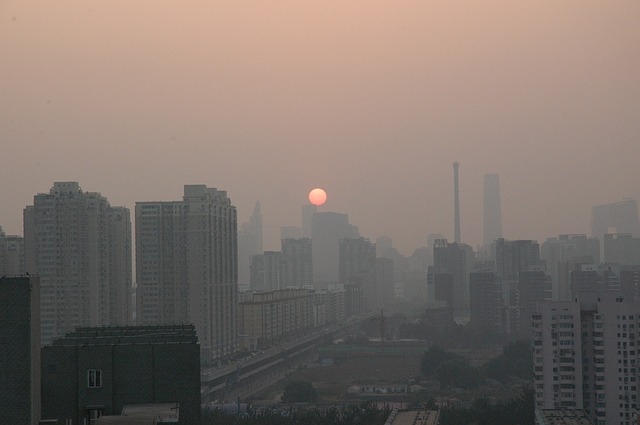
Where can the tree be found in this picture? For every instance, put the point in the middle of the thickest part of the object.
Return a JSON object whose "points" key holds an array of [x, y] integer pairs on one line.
{"points": [[516, 360], [432, 358], [457, 373], [299, 392]]}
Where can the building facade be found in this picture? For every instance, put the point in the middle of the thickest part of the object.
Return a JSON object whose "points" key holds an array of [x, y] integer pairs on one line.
{"points": [[186, 266], [486, 305], [11, 255], [327, 229], [621, 216], [297, 257], [357, 261], [458, 260], [80, 246], [249, 244], [586, 356], [277, 315], [562, 255], [622, 248], [20, 349], [97, 371], [267, 271]]}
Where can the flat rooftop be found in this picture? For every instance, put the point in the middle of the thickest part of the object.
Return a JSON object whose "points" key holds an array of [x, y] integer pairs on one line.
{"points": [[562, 417], [128, 335], [414, 417]]}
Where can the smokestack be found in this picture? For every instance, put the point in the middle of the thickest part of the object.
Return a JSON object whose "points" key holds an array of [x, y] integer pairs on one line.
{"points": [[456, 205]]}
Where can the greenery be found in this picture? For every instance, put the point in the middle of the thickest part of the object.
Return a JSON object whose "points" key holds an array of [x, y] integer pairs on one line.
{"points": [[516, 411], [450, 369], [432, 358], [454, 371], [355, 414], [299, 392], [457, 373], [516, 360], [452, 336]]}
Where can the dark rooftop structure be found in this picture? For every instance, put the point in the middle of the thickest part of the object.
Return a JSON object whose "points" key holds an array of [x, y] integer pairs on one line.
{"points": [[93, 372]]}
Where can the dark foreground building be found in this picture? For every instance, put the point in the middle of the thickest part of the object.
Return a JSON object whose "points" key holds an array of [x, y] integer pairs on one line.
{"points": [[20, 350], [97, 371]]}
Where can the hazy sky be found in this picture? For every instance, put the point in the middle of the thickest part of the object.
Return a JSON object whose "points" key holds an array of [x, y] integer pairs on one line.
{"points": [[371, 100]]}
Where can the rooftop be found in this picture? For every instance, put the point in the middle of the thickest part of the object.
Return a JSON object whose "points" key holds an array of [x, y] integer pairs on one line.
{"points": [[413, 417], [128, 335]]}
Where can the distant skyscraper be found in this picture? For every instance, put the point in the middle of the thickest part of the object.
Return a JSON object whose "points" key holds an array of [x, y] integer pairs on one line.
{"points": [[80, 247], [297, 257], [458, 260], [384, 282], [534, 287], [485, 299], [308, 211], [620, 216], [492, 211], [267, 271], [327, 230], [622, 248], [358, 266], [456, 205], [249, 244], [20, 350], [186, 266], [562, 254], [290, 232], [513, 257]]}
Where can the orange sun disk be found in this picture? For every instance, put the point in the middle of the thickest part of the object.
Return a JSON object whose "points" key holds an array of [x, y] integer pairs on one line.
{"points": [[317, 196]]}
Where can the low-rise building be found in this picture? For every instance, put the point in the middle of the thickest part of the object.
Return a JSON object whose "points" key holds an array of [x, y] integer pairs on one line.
{"points": [[98, 371], [276, 315]]}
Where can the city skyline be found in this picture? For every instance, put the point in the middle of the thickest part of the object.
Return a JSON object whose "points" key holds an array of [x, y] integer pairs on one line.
{"points": [[268, 103]]}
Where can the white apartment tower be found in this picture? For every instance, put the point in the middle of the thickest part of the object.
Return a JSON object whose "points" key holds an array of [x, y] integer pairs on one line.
{"points": [[187, 266], [586, 356], [80, 247]]}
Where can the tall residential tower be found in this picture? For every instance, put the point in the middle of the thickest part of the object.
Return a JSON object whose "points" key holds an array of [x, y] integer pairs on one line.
{"points": [[187, 266], [80, 246]]}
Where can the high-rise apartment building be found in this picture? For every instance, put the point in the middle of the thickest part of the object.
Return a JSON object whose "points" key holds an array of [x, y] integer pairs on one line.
{"points": [[586, 356], [297, 257], [492, 210], [20, 350], [187, 266], [80, 246]]}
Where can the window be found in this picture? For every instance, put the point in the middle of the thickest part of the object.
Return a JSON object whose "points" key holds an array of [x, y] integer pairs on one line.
{"points": [[94, 415], [94, 378]]}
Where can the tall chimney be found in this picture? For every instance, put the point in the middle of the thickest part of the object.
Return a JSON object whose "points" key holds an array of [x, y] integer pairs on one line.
{"points": [[456, 205]]}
